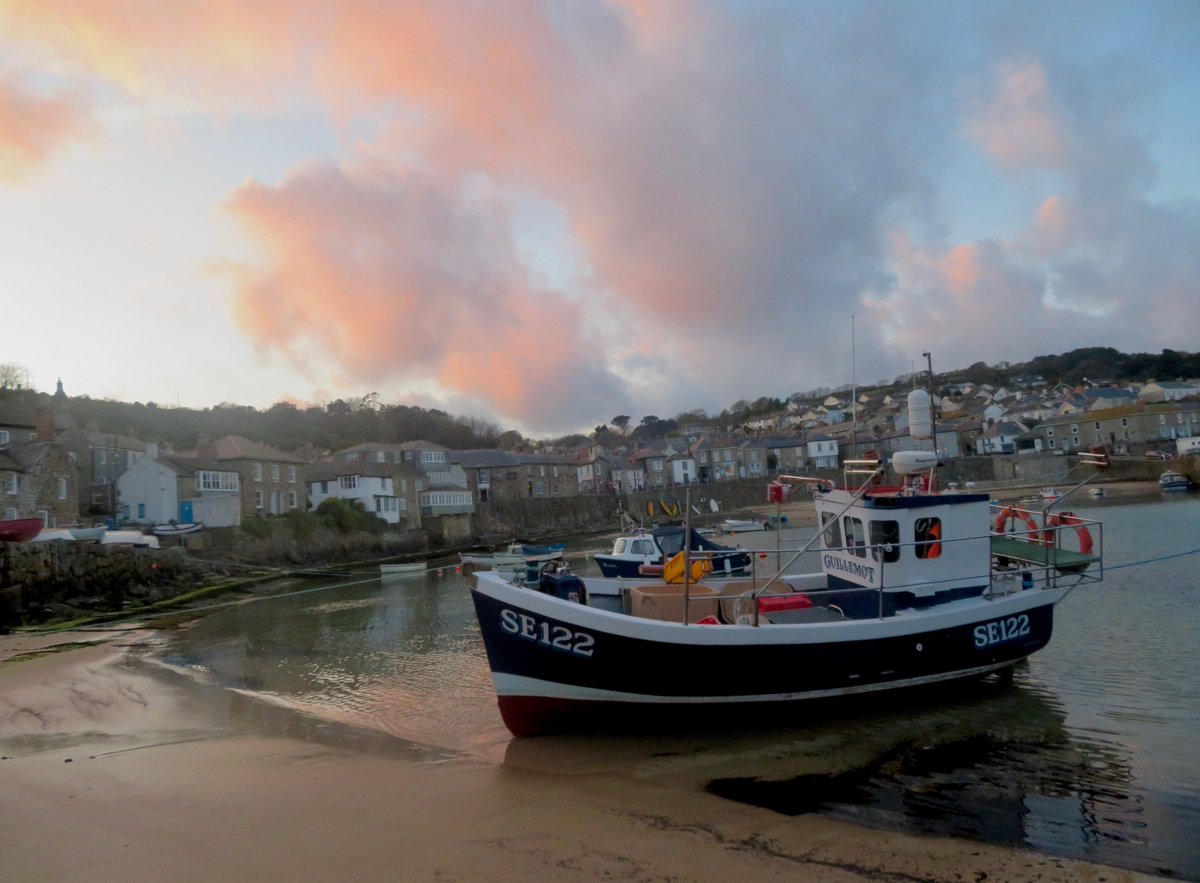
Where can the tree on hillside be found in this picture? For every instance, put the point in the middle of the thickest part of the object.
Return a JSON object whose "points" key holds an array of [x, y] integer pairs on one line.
{"points": [[622, 423], [14, 376]]}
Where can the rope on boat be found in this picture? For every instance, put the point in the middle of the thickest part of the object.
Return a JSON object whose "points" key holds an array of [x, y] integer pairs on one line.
{"points": [[1152, 560]]}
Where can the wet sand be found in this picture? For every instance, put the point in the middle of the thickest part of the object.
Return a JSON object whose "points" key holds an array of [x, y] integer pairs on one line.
{"points": [[113, 772]]}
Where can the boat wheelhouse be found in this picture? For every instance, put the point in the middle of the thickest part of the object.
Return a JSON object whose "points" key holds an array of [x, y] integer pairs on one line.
{"points": [[646, 553]]}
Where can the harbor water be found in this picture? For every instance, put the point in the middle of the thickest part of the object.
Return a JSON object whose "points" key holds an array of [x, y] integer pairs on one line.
{"points": [[1088, 751]]}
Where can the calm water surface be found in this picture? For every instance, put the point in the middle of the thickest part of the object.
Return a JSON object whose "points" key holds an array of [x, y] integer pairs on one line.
{"points": [[1089, 752]]}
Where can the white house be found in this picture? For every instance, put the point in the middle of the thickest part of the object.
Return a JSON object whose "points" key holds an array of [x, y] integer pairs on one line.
{"points": [[162, 489], [382, 488], [823, 452]]}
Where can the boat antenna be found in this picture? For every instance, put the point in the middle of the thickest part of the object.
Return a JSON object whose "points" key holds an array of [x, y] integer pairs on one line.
{"points": [[853, 394], [932, 407]]}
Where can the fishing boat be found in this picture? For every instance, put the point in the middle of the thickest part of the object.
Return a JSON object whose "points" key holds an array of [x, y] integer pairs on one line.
{"points": [[20, 530], [407, 567], [87, 534], [516, 554], [1174, 481], [646, 552], [915, 588], [129, 538], [53, 535]]}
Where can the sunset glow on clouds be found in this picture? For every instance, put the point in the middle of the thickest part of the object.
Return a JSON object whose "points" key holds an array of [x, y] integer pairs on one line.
{"points": [[547, 214]]}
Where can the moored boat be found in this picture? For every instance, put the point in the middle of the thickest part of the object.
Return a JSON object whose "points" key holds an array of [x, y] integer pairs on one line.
{"points": [[638, 554], [1174, 481], [515, 555], [20, 530], [742, 525], [915, 588], [407, 567], [176, 530]]}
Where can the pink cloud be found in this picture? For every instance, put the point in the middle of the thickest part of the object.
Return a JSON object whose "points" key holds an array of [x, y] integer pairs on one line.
{"points": [[1017, 126], [33, 127], [389, 278]]}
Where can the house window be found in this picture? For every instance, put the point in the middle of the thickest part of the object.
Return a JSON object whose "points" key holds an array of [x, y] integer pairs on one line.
{"points": [[12, 484], [217, 481], [274, 472], [379, 456], [141, 510], [1096, 425], [258, 472], [3, 436], [539, 489], [1050, 432], [1124, 421], [291, 474], [324, 488], [348, 482], [62, 488], [10, 514], [292, 499], [258, 499]]}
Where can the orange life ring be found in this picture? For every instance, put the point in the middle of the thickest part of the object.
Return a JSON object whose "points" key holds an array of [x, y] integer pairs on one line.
{"points": [[1069, 519], [934, 550], [1011, 514]]}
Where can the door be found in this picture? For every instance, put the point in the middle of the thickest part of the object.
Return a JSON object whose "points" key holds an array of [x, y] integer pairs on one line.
{"points": [[185, 512]]}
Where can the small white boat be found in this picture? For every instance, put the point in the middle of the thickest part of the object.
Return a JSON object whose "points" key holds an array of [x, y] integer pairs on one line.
{"points": [[741, 525], [1096, 491], [53, 534], [87, 534], [175, 530], [1050, 494], [129, 538], [408, 567]]}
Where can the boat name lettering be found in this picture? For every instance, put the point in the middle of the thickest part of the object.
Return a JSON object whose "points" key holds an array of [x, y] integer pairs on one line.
{"points": [[864, 572], [1002, 630], [557, 637]]}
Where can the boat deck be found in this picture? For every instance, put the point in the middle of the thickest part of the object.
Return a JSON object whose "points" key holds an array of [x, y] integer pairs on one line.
{"points": [[1041, 555]]}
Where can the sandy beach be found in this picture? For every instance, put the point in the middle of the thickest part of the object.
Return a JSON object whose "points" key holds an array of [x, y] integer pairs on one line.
{"points": [[111, 771]]}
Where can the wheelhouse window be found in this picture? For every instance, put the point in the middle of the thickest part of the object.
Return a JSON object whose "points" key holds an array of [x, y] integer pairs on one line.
{"points": [[831, 535], [885, 540], [928, 536], [856, 536]]}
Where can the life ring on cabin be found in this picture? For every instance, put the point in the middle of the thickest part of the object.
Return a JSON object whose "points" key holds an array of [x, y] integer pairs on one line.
{"points": [[934, 549], [1069, 519], [1011, 514]]}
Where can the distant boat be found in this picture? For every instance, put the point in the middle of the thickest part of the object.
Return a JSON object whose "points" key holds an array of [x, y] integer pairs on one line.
{"points": [[1174, 481], [1050, 494], [1096, 491], [741, 525], [400, 569], [516, 554], [20, 530], [175, 530]]}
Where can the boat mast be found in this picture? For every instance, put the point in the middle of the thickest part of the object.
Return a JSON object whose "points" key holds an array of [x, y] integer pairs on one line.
{"points": [[932, 408], [853, 394]]}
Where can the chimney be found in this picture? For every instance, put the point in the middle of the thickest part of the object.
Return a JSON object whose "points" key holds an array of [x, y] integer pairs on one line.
{"points": [[206, 449], [43, 422]]}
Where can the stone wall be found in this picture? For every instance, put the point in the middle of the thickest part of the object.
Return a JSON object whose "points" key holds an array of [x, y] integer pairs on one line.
{"points": [[56, 580]]}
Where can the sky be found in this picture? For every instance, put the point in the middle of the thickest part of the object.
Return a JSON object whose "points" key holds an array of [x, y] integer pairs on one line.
{"points": [[546, 214]]}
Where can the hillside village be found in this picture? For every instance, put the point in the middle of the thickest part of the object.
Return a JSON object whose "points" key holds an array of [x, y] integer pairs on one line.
{"points": [[68, 474]]}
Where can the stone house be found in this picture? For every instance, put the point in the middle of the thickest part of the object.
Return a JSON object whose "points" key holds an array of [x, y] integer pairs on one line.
{"points": [[272, 481], [494, 474], [1126, 430], [102, 458], [654, 464], [38, 480], [444, 491]]}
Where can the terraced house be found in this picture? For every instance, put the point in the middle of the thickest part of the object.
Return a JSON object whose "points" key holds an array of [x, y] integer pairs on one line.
{"points": [[272, 481]]}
